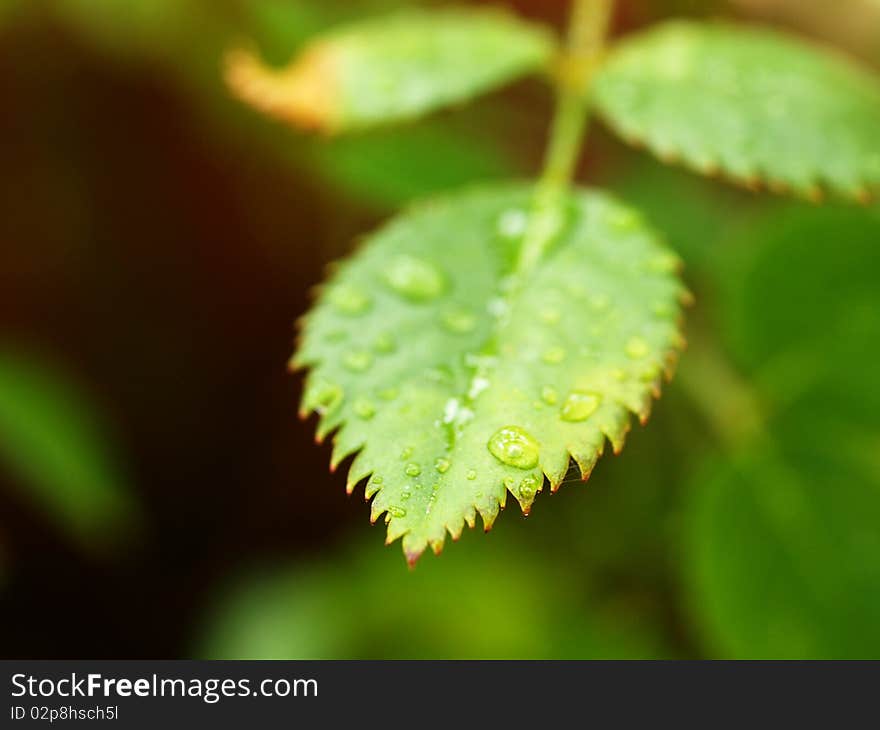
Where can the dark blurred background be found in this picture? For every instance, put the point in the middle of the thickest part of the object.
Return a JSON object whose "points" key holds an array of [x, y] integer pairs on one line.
{"points": [[159, 497]]}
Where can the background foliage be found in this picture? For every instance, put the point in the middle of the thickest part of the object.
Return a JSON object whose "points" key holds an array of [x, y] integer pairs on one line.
{"points": [[157, 239]]}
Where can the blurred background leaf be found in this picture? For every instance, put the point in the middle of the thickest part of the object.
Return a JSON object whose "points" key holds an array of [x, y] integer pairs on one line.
{"points": [[51, 437]]}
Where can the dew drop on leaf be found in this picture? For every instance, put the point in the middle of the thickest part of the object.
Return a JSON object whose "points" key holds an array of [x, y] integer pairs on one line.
{"points": [[549, 395], [365, 409], [512, 223], [385, 344], [637, 348], [397, 512], [471, 474], [514, 447], [442, 465], [579, 406], [554, 356], [413, 470], [350, 300], [358, 361], [528, 487], [406, 453], [415, 279], [459, 320], [327, 396]]}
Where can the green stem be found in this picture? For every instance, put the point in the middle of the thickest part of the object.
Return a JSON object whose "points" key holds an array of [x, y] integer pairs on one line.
{"points": [[588, 28]]}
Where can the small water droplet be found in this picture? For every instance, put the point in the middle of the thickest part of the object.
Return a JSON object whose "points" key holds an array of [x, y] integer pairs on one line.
{"points": [[406, 453], [472, 474], [550, 315], [326, 396], [549, 395], [350, 300], [397, 512], [385, 344], [442, 465], [459, 321], [512, 223], [664, 263], [376, 479], [514, 447], [579, 406], [415, 278], [528, 487], [365, 409], [358, 361], [405, 496], [663, 310], [554, 356], [413, 470], [388, 393], [637, 348]]}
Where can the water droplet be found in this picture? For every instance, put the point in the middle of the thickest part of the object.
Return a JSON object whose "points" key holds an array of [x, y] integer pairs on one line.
{"points": [[509, 483], [326, 396], [600, 302], [358, 361], [364, 408], [514, 447], [415, 278], [554, 356], [472, 474], [397, 512], [376, 479], [413, 470], [637, 348], [406, 453], [528, 487], [550, 315], [388, 394], [385, 344], [549, 395], [579, 406], [664, 263], [442, 465], [624, 219], [459, 320], [663, 309], [405, 496], [513, 223], [350, 300]]}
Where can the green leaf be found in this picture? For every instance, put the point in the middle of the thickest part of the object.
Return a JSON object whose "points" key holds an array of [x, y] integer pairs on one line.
{"points": [[751, 104], [459, 381], [459, 607], [783, 557], [51, 439], [393, 68]]}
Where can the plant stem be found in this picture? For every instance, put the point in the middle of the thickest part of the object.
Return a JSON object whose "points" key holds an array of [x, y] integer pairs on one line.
{"points": [[588, 28]]}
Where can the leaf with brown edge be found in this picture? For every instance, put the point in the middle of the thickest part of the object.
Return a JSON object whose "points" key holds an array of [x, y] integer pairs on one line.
{"points": [[755, 106], [457, 381], [393, 68]]}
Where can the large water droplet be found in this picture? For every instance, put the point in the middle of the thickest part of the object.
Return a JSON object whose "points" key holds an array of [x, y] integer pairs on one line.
{"points": [[413, 470], [358, 361], [350, 300], [442, 465], [459, 320], [364, 408], [579, 406], [514, 447], [554, 356], [415, 278], [637, 348]]}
